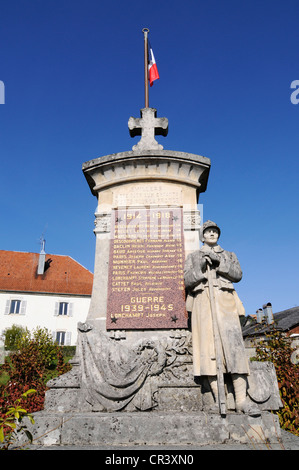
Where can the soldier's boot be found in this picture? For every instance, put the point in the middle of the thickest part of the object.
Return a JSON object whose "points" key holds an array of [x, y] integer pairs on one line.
{"points": [[243, 403]]}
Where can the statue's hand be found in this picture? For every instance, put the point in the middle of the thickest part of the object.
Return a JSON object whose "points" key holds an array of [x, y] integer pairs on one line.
{"points": [[212, 258]]}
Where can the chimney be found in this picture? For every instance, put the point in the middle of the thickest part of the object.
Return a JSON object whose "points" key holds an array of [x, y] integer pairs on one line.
{"points": [[259, 315], [268, 313], [42, 258]]}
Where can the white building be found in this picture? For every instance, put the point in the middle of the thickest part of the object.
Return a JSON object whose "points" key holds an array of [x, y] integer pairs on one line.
{"points": [[46, 291]]}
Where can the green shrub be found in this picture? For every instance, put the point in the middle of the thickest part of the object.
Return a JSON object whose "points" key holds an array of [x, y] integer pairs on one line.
{"points": [[13, 336], [68, 351], [40, 342]]}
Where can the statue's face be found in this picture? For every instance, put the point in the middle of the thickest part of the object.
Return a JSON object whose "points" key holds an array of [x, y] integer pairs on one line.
{"points": [[210, 236]]}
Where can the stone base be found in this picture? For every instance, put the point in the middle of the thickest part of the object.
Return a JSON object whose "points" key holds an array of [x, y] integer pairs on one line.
{"points": [[153, 428]]}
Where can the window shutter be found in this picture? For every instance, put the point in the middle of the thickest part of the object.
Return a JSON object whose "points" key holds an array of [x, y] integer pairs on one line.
{"points": [[23, 307], [54, 336], [70, 309], [56, 309], [7, 307], [68, 338]]}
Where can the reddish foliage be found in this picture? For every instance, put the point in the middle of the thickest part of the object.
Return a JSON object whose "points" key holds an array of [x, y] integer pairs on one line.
{"points": [[277, 349], [28, 369]]}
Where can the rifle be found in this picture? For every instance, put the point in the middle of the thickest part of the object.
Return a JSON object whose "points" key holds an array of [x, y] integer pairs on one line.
{"points": [[218, 346]]}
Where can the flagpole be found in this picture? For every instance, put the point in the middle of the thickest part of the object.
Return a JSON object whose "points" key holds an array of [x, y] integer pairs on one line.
{"points": [[145, 33]]}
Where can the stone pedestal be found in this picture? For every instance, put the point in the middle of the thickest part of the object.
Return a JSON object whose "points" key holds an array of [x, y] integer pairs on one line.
{"points": [[153, 429]]}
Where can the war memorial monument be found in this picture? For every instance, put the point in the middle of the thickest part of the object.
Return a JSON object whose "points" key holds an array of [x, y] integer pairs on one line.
{"points": [[160, 359]]}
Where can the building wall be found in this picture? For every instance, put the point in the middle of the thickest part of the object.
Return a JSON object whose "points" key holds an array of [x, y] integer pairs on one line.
{"points": [[44, 311]]}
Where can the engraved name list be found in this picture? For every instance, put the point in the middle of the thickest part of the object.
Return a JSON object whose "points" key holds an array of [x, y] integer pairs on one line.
{"points": [[145, 281]]}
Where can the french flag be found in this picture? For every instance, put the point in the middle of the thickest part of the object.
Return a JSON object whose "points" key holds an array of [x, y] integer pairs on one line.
{"points": [[153, 73]]}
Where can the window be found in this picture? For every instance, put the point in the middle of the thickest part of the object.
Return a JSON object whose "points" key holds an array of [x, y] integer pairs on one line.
{"points": [[63, 308], [60, 337], [15, 306], [63, 338]]}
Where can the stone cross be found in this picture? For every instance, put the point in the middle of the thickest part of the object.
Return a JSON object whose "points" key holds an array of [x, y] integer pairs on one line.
{"points": [[148, 126]]}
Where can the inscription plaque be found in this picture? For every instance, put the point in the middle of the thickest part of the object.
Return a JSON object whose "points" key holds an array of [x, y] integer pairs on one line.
{"points": [[145, 282], [155, 193]]}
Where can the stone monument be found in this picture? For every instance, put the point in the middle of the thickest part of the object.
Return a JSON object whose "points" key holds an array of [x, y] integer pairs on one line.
{"points": [[132, 380]]}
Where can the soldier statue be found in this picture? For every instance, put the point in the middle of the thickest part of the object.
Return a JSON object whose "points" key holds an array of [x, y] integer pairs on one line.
{"points": [[212, 264]]}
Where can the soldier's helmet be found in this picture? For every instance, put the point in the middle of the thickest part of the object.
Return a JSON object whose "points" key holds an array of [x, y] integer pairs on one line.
{"points": [[209, 224]]}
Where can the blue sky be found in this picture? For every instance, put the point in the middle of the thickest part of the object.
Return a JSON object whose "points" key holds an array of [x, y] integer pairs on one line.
{"points": [[73, 75]]}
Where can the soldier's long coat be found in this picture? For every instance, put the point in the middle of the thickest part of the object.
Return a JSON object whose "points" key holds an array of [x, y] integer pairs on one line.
{"points": [[229, 308]]}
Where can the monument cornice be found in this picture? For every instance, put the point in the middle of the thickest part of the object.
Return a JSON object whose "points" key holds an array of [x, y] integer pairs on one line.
{"points": [[165, 165]]}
